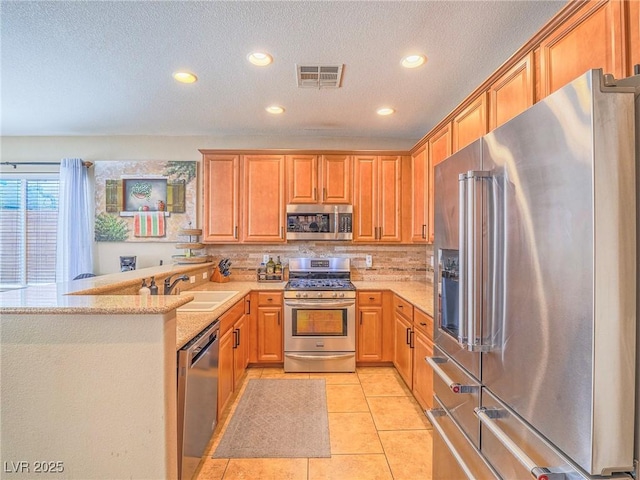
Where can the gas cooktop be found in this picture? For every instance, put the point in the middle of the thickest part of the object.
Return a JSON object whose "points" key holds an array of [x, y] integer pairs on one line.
{"points": [[319, 284]]}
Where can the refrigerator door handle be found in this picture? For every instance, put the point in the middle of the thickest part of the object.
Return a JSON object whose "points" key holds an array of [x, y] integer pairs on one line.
{"points": [[462, 265], [432, 415], [455, 387], [486, 416], [474, 251]]}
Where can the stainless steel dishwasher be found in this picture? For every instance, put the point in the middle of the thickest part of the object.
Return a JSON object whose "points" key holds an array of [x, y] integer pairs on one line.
{"points": [[197, 397]]}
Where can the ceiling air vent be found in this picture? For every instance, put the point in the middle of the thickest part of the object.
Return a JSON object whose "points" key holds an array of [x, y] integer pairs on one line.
{"points": [[319, 76]]}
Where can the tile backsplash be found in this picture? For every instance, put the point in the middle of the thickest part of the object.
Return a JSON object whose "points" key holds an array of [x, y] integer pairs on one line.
{"points": [[390, 262]]}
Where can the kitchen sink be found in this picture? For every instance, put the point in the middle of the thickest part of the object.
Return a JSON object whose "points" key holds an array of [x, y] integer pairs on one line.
{"points": [[204, 300]]}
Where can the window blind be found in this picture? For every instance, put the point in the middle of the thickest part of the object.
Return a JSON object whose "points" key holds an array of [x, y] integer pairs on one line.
{"points": [[28, 229]]}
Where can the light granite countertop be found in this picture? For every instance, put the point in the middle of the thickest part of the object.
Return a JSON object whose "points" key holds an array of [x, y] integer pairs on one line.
{"points": [[88, 296], [189, 324]]}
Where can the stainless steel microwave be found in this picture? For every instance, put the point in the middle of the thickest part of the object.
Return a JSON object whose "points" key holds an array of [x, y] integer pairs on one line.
{"points": [[319, 222]]}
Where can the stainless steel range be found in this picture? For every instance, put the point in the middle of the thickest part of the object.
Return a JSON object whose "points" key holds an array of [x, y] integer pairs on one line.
{"points": [[320, 315]]}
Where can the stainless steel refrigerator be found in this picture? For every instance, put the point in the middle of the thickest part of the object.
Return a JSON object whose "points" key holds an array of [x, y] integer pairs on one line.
{"points": [[535, 242]]}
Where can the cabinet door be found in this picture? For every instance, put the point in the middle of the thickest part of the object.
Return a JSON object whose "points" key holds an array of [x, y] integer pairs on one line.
{"points": [[270, 335], [471, 123], [440, 145], [422, 372], [419, 193], [593, 37], [302, 178], [241, 351], [365, 205], [512, 93], [389, 200], [264, 207], [634, 35], [221, 210], [403, 356], [336, 179], [225, 370], [370, 334]]}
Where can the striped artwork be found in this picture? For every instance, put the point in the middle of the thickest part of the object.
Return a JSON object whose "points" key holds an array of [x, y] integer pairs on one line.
{"points": [[149, 224]]}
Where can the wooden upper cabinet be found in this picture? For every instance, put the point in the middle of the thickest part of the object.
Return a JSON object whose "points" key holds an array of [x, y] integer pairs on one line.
{"points": [[365, 202], [326, 179], [221, 210], [593, 37], [471, 123], [302, 178], [420, 196], [634, 35], [390, 199], [512, 93], [263, 210], [440, 144], [377, 202], [335, 186]]}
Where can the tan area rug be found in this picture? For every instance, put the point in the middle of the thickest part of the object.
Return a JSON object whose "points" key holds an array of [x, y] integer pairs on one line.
{"points": [[278, 418]]}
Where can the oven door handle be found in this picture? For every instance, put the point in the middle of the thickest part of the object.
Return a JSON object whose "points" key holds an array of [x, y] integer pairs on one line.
{"points": [[319, 357], [320, 303]]}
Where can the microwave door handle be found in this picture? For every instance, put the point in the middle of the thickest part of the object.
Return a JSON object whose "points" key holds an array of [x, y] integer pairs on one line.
{"points": [[462, 261], [336, 218]]}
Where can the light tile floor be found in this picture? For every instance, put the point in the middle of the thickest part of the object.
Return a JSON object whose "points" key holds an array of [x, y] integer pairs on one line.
{"points": [[376, 427]]}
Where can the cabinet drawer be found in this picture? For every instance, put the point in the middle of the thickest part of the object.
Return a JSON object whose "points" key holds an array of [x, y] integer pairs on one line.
{"points": [[423, 322], [266, 299], [369, 298], [231, 316], [403, 307]]}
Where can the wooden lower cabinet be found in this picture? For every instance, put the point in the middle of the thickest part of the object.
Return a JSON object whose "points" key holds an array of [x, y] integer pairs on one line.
{"points": [[374, 327], [422, 372], [403, 358], [270, 344], [225, 370], [233, 351], [269, 334], [241, 353], [422, 347], [369, 334]]}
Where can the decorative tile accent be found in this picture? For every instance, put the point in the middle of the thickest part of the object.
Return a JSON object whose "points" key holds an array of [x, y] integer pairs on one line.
{"points": [[390, 262]]}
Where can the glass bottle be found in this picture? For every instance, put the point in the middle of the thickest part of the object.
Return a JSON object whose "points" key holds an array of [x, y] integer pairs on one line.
{"points": [[271, 268], [278, 268]]}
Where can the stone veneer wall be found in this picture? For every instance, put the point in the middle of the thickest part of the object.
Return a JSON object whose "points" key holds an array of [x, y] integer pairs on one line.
{"points": [[390, 262]]}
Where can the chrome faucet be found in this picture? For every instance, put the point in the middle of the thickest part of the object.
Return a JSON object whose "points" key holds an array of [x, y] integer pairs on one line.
{"points": [[168, 286]]}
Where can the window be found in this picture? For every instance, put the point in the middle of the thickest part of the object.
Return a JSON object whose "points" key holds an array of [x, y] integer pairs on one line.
{"points": [[28, 229]]}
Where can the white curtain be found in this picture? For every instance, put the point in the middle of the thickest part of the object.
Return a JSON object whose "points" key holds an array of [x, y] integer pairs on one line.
{"points": [[75, 239]]}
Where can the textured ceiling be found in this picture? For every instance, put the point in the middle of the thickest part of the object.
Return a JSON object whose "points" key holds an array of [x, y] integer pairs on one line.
{"points": [[104, 68]]}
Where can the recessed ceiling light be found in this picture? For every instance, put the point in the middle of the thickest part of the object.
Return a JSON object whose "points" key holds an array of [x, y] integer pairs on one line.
{"points": [[275, 109], [260, 59], [185, 77], [413, 61], [385, 111]]}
